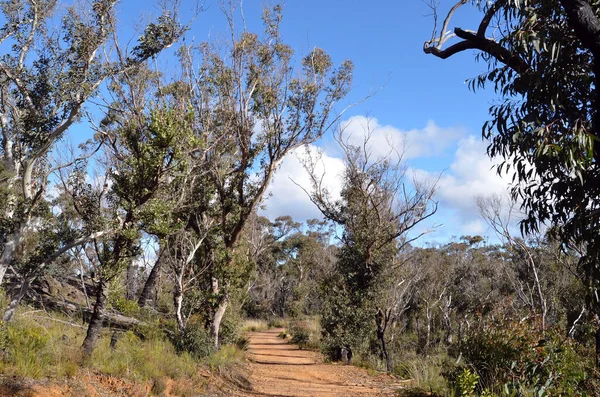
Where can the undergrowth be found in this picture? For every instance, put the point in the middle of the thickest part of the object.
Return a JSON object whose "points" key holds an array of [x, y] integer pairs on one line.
{"points": [[36, 345]]}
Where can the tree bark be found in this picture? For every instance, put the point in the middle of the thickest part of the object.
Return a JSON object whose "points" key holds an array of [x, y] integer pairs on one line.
{"points": [[216, 320], [131, 281], [178, 302], [14, 303], [13, 241], [150, 284], [95, 326], [382, 320]]}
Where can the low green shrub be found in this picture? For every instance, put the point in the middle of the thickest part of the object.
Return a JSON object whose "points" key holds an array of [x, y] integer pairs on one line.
{"points": [[195, 340], [465, 384], [514, 357]]}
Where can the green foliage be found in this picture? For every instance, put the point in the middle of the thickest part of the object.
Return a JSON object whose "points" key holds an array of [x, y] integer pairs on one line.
{"points": [[300, 336], [224, 358], [546, 121], [126, 306], [26, 349], [195, 340], [465, 383], [142, 360], [514, 356]]}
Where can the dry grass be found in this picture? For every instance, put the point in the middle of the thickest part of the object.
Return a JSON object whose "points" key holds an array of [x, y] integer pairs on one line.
{"points": [[254, 325]]}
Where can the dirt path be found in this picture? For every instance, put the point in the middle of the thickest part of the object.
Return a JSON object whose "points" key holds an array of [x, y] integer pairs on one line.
{"points": [[281, 369]]}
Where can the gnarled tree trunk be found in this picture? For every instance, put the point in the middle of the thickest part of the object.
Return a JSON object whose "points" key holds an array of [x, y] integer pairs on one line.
{"points": [[95, 326]]}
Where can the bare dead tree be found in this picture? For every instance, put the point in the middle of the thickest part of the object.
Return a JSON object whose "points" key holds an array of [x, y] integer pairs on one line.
{"points": [[498, 215]]}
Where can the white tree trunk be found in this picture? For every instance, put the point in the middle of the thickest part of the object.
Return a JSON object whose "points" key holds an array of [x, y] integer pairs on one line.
{"points": [[13, 241], [217, 318]]}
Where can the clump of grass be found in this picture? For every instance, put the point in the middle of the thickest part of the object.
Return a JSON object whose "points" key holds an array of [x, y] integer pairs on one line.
{"points": [[142, 360], [183, 389], [306, 333], [254, 325], [159, 386], [425, 372], [282, 335], [40, 346], [277, 322], [223, 359]]}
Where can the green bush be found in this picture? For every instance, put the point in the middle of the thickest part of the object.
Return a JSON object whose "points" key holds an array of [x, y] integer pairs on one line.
{"points": [[125, 306], [300, 337], [514, 357], [466, 382], [195, 340]]}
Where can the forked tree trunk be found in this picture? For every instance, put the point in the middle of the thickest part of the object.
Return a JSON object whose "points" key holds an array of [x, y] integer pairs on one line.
{"points": [[95, 326], [382, 320]]}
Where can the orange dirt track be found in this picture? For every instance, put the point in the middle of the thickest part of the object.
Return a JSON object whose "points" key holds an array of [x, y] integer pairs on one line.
{"points": [[278, 368]]}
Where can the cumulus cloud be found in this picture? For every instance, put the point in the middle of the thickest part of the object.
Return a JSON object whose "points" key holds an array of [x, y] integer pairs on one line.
{"points": [[425, 142], [286, 195], [469, 173]]}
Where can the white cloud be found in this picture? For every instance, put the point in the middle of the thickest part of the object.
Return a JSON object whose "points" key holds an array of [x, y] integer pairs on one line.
{"points": [[425, 142], [287, 198], [470, 173]]}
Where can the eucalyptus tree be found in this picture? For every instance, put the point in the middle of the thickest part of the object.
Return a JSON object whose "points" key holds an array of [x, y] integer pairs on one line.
{"points": [[377, 211], [543, 61], [57, 59], [251, 109], [143, 155]]}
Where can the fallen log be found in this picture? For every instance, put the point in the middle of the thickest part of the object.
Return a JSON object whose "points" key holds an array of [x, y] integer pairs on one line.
{"points": [[111, 319]]}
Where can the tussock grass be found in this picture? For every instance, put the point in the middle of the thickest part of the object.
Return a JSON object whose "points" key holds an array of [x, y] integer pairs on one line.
{"points": [[277, 322], [225, 358], [425, 372], [142, 360], [254, 325], [38, 346]]}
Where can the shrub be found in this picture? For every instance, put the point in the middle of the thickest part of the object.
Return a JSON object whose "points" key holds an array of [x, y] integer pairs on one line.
{"points": [[195, 340], [300, 337], [514, 356], [466, 382], [224, 358], [306, 333], [125, 306]]}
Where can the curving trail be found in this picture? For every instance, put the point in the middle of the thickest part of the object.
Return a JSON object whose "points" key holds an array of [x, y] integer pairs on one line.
{"points": [[278, 368]]}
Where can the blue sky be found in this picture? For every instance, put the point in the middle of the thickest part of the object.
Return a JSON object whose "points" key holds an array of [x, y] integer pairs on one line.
{"points": [[422, 98]]}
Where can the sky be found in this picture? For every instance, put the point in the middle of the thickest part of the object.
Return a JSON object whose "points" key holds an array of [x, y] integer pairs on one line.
{"points": [[421, 101]]}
